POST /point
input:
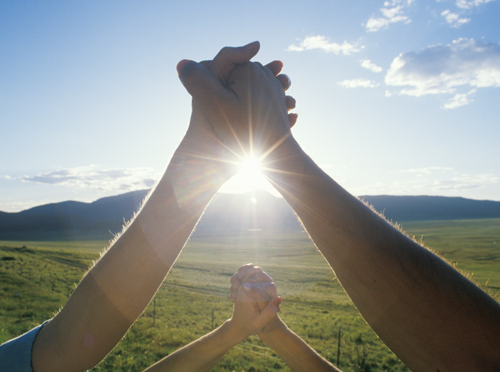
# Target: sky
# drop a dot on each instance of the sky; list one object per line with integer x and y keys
{"x": 397, "y": 97}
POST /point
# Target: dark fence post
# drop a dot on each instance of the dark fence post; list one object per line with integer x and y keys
{"x": 154, "y": 311}
{"x": 338, "y": 350}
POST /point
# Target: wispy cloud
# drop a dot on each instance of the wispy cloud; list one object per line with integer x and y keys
{"x": 392, "y": 12}
{"x": 460, "y": 99}
{"x": 322, "y": 43}
{"x": 90, "y": 177}
{"x": 443, "y": 68}
{"x": 464, "y": 182}
{"x": 366, "y": 63}
{"x": 468, "y": 4}
{"x": 432, "y": 181}
{"x": 453, "y": 19}
{"x": 358, "y": 83}
{"x": 426, "y": 170}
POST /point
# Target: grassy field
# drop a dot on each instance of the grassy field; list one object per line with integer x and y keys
{"x": 38, "y": 277}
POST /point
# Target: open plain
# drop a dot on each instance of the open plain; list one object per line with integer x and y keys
{"x": 37, "y": 277}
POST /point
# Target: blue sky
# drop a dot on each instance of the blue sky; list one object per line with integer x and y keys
{"x": 394, "y": 97}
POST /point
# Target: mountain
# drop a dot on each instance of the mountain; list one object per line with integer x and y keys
{"x": 103, "y": 215}
{"x": 422, "y": 208}
{"x": 257, "y": 210}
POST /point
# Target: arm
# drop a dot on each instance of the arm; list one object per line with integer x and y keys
{"x": 122, "y": 283}
{"x": 119, "y": 287}
{"x": 296, "y": 353}
{"x": 431, "y": 316}
{"x": 204, "y": 353}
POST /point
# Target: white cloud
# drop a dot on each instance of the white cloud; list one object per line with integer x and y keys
{"x": 454, "y": 19}
{"x": 321, "y": 42}
{"x": 464, "y": 182}
{"x": 432, "y": 181}
{"x": 89, "y": 177}
{"x": 426, "y": 170}
{"x": 357, "y": 83}
{"x": 366, "y": 63}
{"x": 393, "y": 12}
{"x": 468, "y": 4}
{"x": 460, "y": 99}
{"x": 443, "y": 68}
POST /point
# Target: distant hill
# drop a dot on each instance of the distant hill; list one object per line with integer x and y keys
{"x": 100, "y": 217}
{"x": 256, "y": 210}
{"x": 422, "y": 208}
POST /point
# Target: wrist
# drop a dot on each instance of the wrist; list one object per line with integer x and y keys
{"x": 236, "y": 334}
{"x": 273, "y": 330}
{"x": 287, "y": 158}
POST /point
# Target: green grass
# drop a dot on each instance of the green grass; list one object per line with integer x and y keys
{"x": 37, "y": 280}
{"x": 472, "y": 245}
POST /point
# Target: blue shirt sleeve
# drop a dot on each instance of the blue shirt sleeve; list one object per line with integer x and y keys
{"x": 15, "y": 355}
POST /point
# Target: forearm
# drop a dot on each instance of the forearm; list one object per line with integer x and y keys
{"x": 297, "y": 354}
{"x": 202, "y": 354}
{"x": 122, "y": 283}
{"x": 423, "y": 309}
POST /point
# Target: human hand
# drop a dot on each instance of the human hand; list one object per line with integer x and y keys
{"x": 256, "y": 277}
{"x": 236, "y": 103}
{"x": 248, "y": 318}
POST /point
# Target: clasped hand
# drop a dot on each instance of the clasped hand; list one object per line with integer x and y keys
{"x": 256, "y": 302}
{"x": 240, "y": 110}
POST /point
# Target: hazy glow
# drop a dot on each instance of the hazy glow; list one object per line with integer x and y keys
{"x": 250, "y": 167}
{"x": 249, "y": 178}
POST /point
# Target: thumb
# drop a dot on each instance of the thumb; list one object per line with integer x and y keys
{"x": 205, "y": 89}
{"x": 269, "y": 311}
{"x": 226, "y": 60}
{"x": 257, "y": 294}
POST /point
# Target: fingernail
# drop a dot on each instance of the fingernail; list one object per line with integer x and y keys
{"x": 182, "y": 65}
{"x": 247, "y": 287}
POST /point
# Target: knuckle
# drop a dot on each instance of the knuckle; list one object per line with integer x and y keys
{"x": 225, "y": 51}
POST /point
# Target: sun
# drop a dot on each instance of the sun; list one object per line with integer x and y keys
{"x": 250, "y": 177}
{"x": 250, "y": 167}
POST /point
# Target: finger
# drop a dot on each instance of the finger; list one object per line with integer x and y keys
{"x": 245, "y": 267}
{"x": 290, "y": 102}
{"x": 245, "y": 273}
{"x": 242, "y": 271}
{"x": 292, "y": 119}
{"x": 209, "y": 93}
{"x": 269, "y": 288}
{"x": 285, "y": 81}
{"x": 235, "y": 284}
{"x": 257, "y": 294}
{"x": 269, "y": 312}
{"x": 235, "y": 280}
{"x": 275, "y": 67}
{"x": 205, "y": 63}
{"x": 260, "y": 277}
{"x": 225, "y": 61}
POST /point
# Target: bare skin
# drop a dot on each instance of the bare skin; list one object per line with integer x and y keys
{"x": 206, "y": 352}
{"x": 296, "y": 353}
{"x": 431, "y": 316}
{"x": 120, "y": 286}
